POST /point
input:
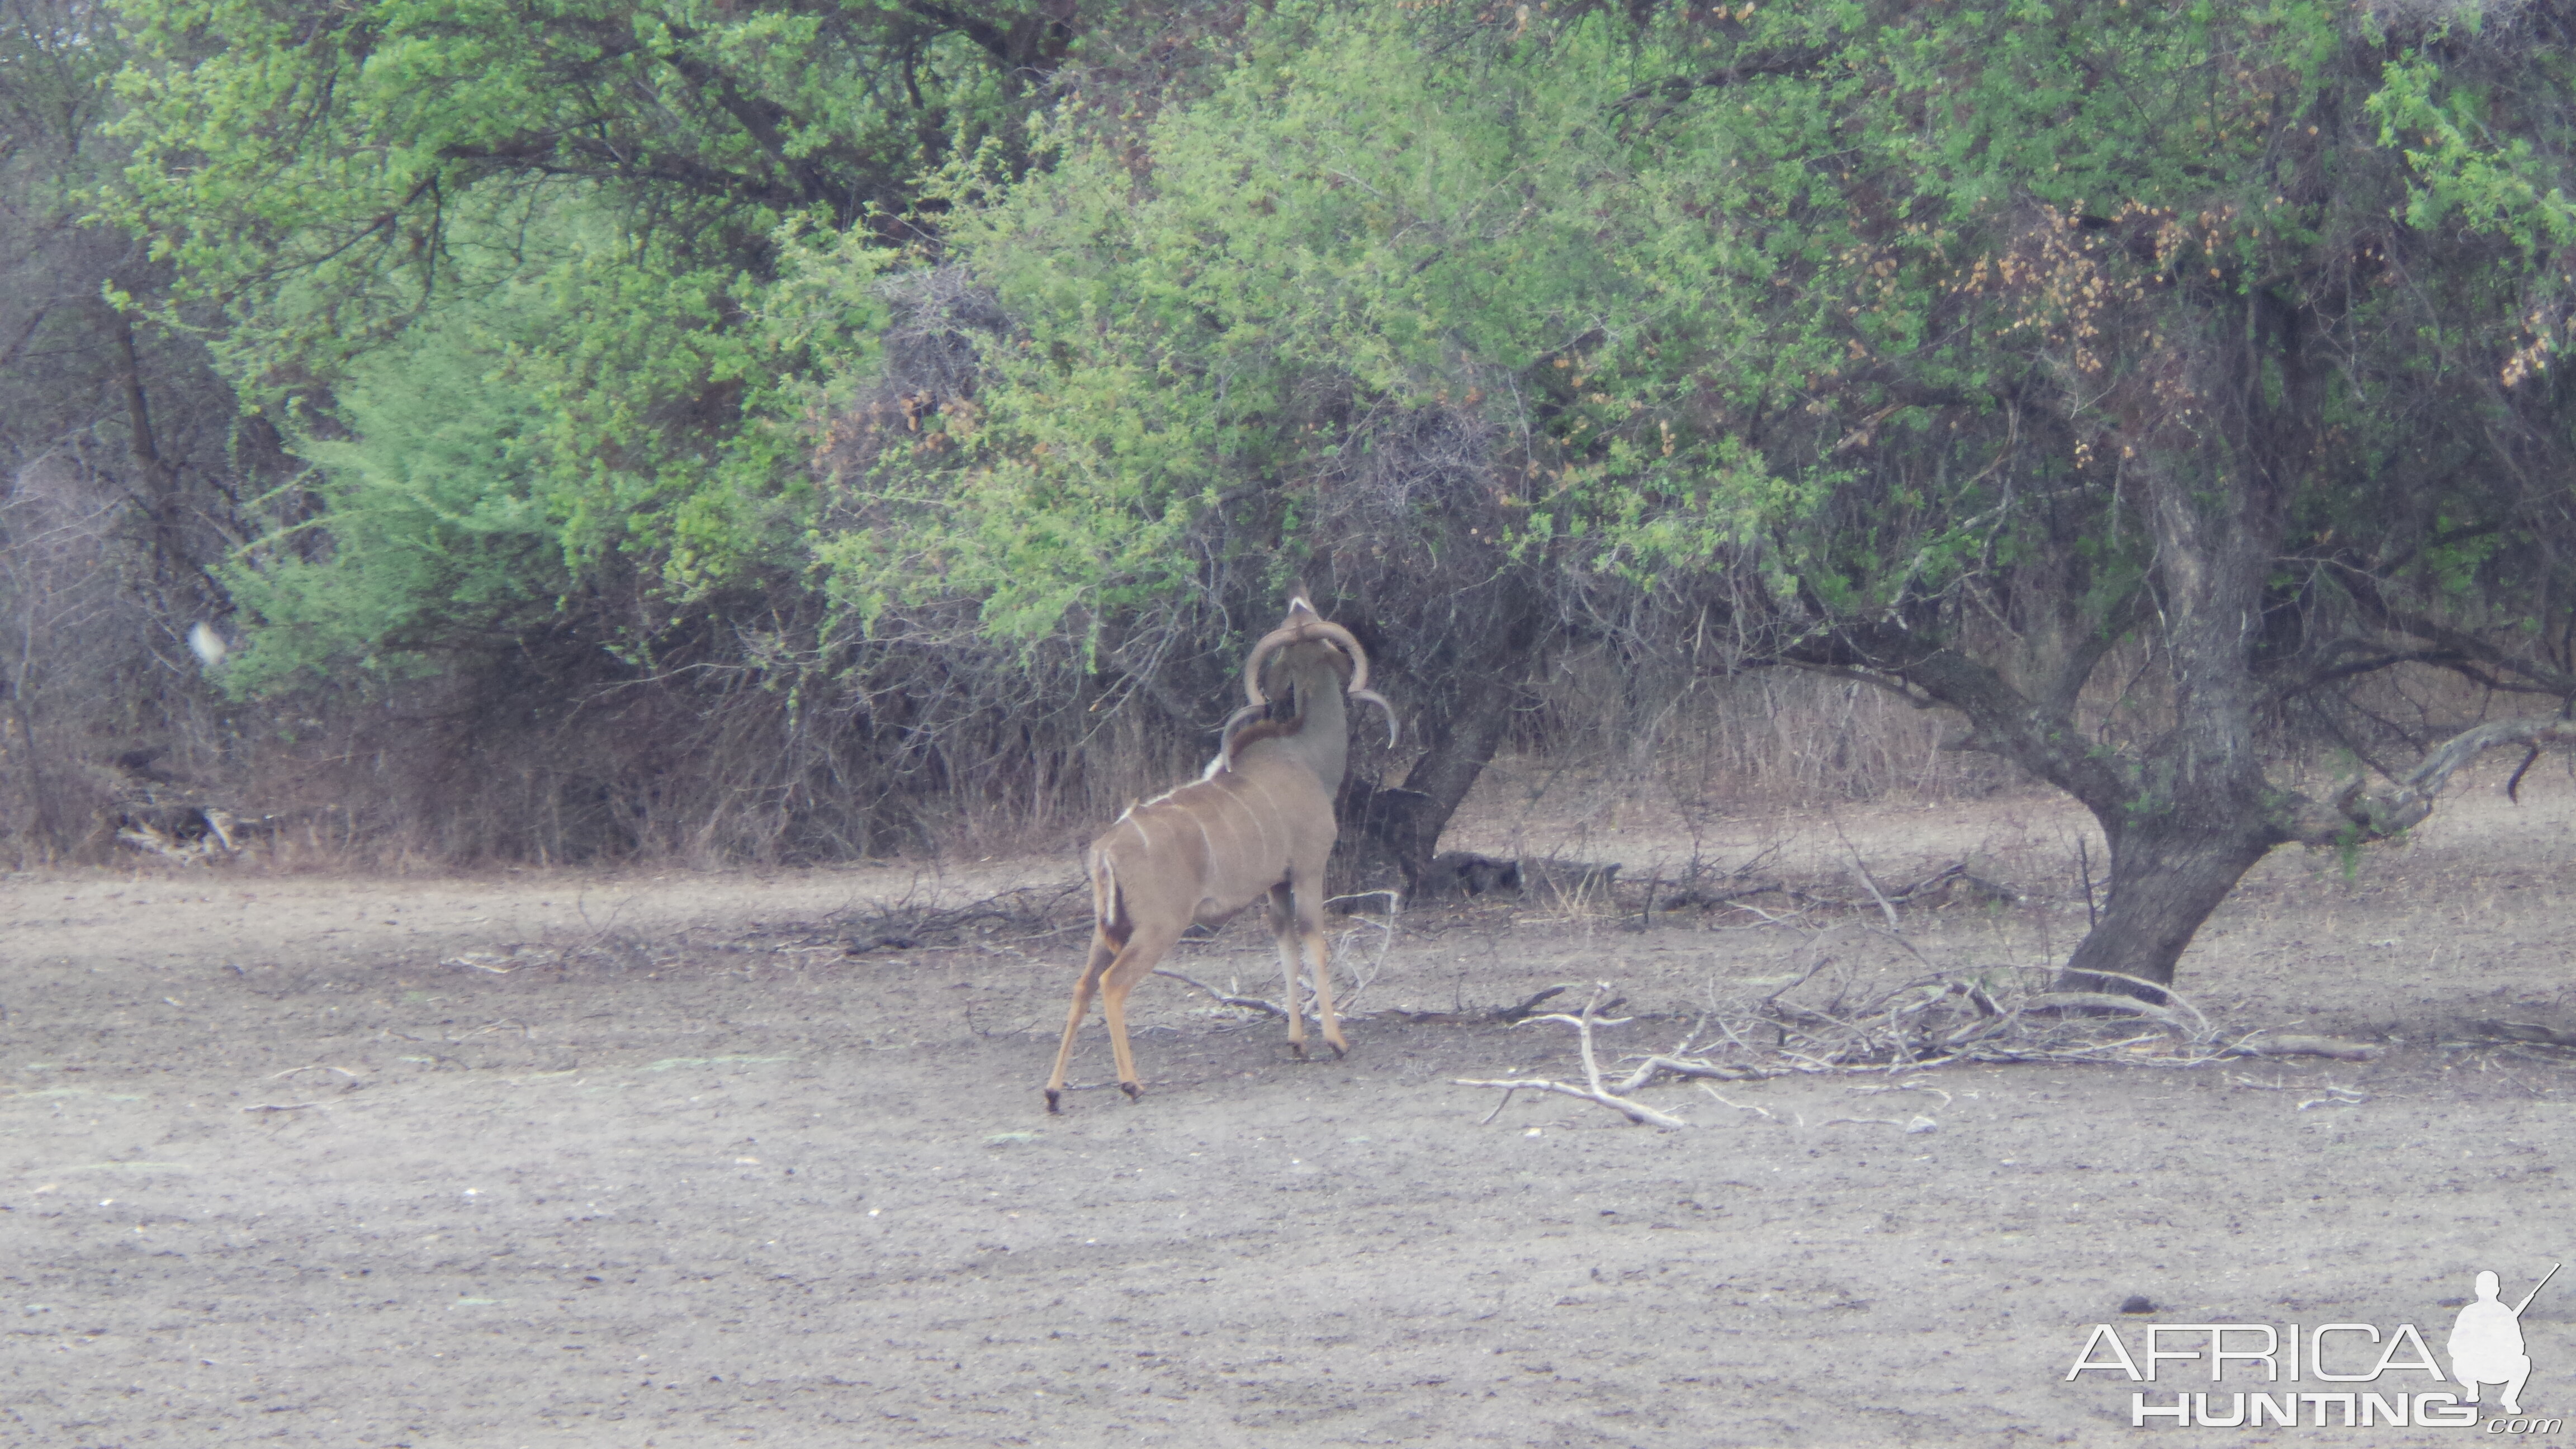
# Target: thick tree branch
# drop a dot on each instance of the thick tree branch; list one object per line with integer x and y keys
{"x": 2001, "y": 719}
{"x": 2353, "y": 813}
{"x": 2442, "y": 658}
{"x": 2363, "y": 588}
{"x": 1894, "y": 686}
{"x": 2123, "y": 618}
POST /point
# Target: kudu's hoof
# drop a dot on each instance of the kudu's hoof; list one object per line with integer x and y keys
{"x": 1134, "y": 1092}
{"x": 1052, "y": 1108}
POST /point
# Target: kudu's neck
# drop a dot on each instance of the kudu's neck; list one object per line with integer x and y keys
{"x": 1323, "y": 737}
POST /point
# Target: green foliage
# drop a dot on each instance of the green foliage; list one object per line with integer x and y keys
{"x": 333, "y": 173}
{"x": 503, "y": 269}
{"x": 523, "y": 457}
{"x": 1868, "y": 313}
{"x": 439, "y": 529}
{"x": 2461, "y": 167}
{"x": 53, "y": 58}
{"x": 1339, "y": 240}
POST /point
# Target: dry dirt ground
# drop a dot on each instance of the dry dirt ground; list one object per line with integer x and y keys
{"x": 566, "y": 1159}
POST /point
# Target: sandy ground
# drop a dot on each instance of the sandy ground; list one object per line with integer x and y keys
{"x": 565, "y": 1159}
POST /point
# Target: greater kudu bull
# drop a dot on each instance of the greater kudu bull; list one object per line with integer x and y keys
{"x": 1258, "y": 823}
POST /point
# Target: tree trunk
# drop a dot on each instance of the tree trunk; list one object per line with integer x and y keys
{"x": 160, "y": 499}
{"x": 1404, "y": 822}
{"x": 2213, "y": 474}
{"x": 46, "y": 829}
{"x": 2166, "y": 878}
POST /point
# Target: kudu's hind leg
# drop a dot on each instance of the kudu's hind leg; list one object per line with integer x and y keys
{"x": 1143, "y": 951}
{"x": 1299, "y": 930}
{"x": 1283, "y": 929}
{"x": 1103, "y": 951}
{"x": 1310, "y": 936}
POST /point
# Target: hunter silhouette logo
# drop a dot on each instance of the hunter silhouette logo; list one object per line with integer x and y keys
{"x": 2362, "y": 1376}
{"x": 2486, "y": 1342}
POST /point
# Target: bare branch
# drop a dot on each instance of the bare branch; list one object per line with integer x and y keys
{"x": 1246, "y": 1003}
{"x": 1593, "y": 1091}
{"x": 1636, "y": 1112}
{"x": 2379, "y": 816}
{"x": 2260, "y": 1045}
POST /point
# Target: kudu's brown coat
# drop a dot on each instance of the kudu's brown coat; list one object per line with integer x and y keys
{"x": 1258, "y": 824}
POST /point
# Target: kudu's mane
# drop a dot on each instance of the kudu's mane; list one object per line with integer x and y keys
{"x": 1269, "y": 729}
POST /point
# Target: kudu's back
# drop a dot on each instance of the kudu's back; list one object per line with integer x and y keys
{"x": 1214, "y": 846}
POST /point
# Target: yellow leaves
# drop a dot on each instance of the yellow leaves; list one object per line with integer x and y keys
{"x": 2532, "y": 358}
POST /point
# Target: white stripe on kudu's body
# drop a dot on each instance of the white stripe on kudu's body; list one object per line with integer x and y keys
{"x": 1148, "y": 886}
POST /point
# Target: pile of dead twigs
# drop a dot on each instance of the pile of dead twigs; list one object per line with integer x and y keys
{"x": 1821, "y": 1020}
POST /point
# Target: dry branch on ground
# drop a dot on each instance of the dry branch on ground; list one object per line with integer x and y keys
{"x": 2528, "y": 1033}
{"x": 1512, "y": 1015}
{"x": 1362, "y": 974}
{"x": 1594, "y": 1090}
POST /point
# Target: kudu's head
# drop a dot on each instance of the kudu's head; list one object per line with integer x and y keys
{"x": 1320, "y": 665}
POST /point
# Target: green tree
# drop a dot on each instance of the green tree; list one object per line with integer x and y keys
{"x": 1946, "y": 350}
{"x": 579, "y": 201}
{"x": 502, "y": 279}
{"x": 2258, "y": 396}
